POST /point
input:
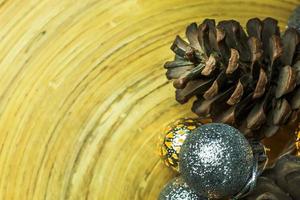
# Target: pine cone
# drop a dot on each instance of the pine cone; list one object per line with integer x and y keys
{"x": 249, "y": 81}
{"x": 280, "y": 182}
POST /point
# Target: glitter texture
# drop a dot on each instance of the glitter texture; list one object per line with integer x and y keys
{"x": 177, "y": 189}
{"x": 216, "y": 160}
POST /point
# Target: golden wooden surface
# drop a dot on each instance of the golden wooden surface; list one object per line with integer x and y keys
{"x": 83, "y": 96}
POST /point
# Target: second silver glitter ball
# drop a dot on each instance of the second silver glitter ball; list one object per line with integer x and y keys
{"x": 177, "y": 189}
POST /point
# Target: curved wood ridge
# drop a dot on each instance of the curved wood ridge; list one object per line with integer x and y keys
{"x": 83, "y": 95}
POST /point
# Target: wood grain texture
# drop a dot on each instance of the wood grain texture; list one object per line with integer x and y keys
{"x": 83, "y": 96}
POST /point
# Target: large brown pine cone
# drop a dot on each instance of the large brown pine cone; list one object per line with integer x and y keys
{"x": 281, "y": 182}
{"x": 250, "y": 81}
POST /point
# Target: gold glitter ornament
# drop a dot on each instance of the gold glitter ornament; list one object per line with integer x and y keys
{"x": 173, "y": 138}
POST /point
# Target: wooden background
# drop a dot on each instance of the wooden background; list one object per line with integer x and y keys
{"x": 83, "y": 96}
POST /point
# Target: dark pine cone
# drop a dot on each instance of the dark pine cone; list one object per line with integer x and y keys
{"x": 250, "y": 81}
{"x": 280, "y": 182}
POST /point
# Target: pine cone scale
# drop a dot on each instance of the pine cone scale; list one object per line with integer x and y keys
{"x": 282, "y": 111}
{"x": 237, "y": 94}
{"x": 192, "y": 36}
{"x": 192, "y": 88}
{"x": 286, "y": 81}
{"x": 295, "y": 100}
{"x": 257, "y": 116}
{"x": 276, "y": 49}
{"x": 269, "y": 29}
{"x": 255, "y": 48}
{"x": 254, "y": 28}
{"x": 290, "y": 40}
{"x": 260, "y": 87}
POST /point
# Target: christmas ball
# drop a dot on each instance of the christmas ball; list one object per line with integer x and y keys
{"x": 177, "y": 189}
{"x": 216, "y": 160}
{"x": 173, "y": 138}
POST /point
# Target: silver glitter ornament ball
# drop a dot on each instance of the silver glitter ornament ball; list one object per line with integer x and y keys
{"x": 177, "y": 189}
{"x": 216, "y": 160}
